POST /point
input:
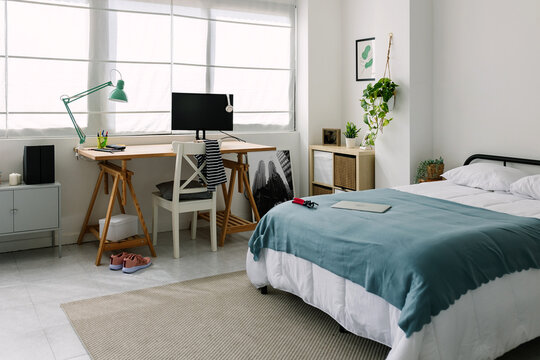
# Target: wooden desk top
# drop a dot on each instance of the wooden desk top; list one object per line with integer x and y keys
{"x": 165, "y": 150}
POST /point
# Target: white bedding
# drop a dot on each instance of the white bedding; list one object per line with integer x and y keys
{"x": 483, "y": 324}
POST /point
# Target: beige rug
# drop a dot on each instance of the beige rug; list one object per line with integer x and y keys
{"x": 220, "y": 317}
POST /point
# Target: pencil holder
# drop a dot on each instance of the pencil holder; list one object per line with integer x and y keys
{"x": 101, "y": 142}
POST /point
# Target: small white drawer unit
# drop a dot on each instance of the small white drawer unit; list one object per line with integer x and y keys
{"x": 30, "y": 208}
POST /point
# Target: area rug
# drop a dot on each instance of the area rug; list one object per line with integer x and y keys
{"x": 220, "y": 317}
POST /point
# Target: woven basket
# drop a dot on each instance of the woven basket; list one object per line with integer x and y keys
{"x": 434, "y": 171}
{"x": 321, "y": 190}
{"x": 345, "y": 171}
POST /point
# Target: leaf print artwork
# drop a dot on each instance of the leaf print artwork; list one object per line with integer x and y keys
{"x": 364, "y": 59}
{"x": 365, "y": 53}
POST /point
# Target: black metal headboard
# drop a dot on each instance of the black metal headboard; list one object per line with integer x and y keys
{"x": 504, "y": 159}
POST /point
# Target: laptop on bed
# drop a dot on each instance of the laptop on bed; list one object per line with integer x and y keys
{"x": 361, "y": 206}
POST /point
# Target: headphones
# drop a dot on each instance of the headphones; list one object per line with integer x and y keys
{"x": 229, "y": 108}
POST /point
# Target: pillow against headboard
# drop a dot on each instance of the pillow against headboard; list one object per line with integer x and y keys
{"x": 486, "y": 176}
{"x": 527, "y": 186}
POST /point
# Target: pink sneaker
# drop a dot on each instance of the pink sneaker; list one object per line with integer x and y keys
{"x": 117, "y": 260}
{"x": 135, "y": 262}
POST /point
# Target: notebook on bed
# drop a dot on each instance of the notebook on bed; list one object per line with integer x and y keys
{"x": 361, "y": 206}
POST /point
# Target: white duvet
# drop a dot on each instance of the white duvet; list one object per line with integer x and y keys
{"x": 483, "y": 324}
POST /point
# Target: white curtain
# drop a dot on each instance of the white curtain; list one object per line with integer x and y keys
{"x": 56, "y": 47}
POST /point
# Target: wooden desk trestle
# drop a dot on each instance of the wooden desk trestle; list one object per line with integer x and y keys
{"x": 228, "y": 222}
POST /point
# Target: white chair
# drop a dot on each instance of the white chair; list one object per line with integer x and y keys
{"x": 187, "y": 196}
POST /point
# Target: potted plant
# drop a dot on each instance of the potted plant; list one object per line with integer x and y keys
{"x": 350, "y": 133}
{"x": 374, "y": 101}
{"x": 430, "y": 170}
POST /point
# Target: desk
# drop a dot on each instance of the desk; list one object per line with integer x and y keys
{"x": 228, "y": 222}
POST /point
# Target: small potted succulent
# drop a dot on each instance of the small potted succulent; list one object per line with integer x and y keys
{"x": 430, "y": 170}
{"x": 351, "y": 133}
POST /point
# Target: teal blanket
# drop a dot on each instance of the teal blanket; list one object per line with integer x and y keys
{"x": 420, "y": 256}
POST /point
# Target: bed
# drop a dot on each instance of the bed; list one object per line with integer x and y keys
{"x": 482, "y": 323}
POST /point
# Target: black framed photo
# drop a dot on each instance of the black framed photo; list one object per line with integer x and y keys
{"x": 270, "y": 176}
{"x": 331, "y": 137}
{"x": 365, "y": 59}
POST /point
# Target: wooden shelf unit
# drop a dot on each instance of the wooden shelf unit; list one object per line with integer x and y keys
{"x": 337, "y": 168}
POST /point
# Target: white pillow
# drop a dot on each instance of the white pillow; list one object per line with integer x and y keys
{"x": 527, "y": 186}
{"x": 485, "y": 176}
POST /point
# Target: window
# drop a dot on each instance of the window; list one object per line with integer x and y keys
{"x": 50, "y": 48}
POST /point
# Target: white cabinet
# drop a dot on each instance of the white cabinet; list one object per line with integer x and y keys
{"x": 30, "y": 208}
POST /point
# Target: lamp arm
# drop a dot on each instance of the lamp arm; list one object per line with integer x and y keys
{"x": 80, "y": 133}
{"x": 70, "y": 99}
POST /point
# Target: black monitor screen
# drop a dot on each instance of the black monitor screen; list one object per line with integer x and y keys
{"x": 201, "y": 112}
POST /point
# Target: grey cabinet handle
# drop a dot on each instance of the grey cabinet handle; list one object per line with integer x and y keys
{"x": 14, "y": 211}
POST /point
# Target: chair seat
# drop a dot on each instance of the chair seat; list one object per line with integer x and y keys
{"x": 166, "y": 191}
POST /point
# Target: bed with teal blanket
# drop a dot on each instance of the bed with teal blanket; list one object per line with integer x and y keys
{"x": 420, "y": 256}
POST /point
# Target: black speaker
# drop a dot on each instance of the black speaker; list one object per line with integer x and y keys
{"x": 38, "y": 164}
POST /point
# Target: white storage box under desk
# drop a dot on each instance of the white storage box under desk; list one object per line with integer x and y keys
{"x": 121, "y": 227}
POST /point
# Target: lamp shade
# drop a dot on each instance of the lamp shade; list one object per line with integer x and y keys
{"x": 118, "y": 93}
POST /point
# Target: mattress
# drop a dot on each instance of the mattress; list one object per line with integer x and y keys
{"x": 482, "y": 324}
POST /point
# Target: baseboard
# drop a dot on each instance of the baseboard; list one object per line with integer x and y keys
{"x": 19, "y": 242}
{"x": 25, "y": 242}
{"x": 38, "y": 240}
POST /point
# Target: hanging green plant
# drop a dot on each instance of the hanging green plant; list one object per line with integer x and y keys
{"x": 375, "y": 102}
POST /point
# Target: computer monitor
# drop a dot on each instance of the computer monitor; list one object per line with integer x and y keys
{"x": 191, "y": 111}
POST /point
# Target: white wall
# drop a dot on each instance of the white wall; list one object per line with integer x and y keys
{"x": 361, "y": 19}
{"x": 468, "y": 74}
{"x": 421, "y": 83}
{"x": 319, "y": 88}
{"x": 486, "y": 78}
{"x": 78, "y": 178}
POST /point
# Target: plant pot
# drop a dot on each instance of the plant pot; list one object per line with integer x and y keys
{"x": 434, "y": 171}
{"x": 391, "y": 102}
{"x": 350, "y": 142}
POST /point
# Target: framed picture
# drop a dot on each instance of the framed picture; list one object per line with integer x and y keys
{"x": 270, "y": 178}
{"x": 331, "y": 137}
{"x": 365, "y": 59}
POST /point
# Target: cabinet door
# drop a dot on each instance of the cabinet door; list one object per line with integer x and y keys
{"x": 6, "y": 215}
{"x": 36, "y": 209}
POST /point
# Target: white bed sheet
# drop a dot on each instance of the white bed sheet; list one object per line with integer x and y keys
{"x": 483, "y": 324}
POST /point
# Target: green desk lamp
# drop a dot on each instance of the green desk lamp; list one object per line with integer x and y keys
{"x": 117, "y": 94}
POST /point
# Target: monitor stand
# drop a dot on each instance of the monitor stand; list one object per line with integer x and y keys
{"x": 203, "y": 135}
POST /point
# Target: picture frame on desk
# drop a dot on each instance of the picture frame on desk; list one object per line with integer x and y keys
{"x": 331, "y": 137}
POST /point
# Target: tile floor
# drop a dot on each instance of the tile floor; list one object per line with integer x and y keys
{"x": 33, "y": 284}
